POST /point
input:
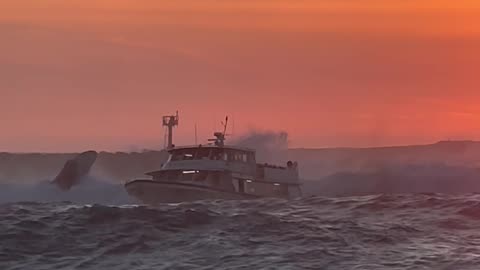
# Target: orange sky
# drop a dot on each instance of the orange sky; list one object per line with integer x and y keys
{"x": 99, "y": 74}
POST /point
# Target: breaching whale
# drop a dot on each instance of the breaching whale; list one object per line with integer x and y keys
{"x": 74, "y": 170}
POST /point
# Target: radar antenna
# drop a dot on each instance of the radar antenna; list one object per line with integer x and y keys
{"x": 220, "y": 136}
{"x": 170, "y": 121}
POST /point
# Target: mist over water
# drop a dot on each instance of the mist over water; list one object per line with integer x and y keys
{"x": 89, "y": 191}
{"x": 27, "y": 177}
{"x": 446, "y": 167}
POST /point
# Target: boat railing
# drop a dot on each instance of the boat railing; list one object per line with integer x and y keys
{"x": 290, "y": 165}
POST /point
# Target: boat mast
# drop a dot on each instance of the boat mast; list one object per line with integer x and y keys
{"x": 170, "y": 121}
{"x": 225, "y": 126}
{"x": 196, "y": 134}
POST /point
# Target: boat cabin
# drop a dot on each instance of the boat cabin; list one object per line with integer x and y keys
{"x": 229, "y": 169}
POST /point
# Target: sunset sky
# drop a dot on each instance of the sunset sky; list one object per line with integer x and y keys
{"x": 83, "y": 74}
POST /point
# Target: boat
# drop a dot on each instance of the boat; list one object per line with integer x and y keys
{"x": 215, "y": 171}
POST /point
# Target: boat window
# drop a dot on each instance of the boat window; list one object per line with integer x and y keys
{"x": 217, "y": 154}
{"x": 177, "y": 155}
{"x": 231, "y": 155}
{"x": 192, "y": 175}
{"x": 202, "y": 153}
{"x": 183, "y": 154}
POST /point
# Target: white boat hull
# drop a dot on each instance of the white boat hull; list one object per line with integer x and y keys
{"x": 155, "y": 192}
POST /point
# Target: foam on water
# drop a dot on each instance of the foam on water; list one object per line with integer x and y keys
{"x": 89, "y": 191}
{"x": 422, "y": 231}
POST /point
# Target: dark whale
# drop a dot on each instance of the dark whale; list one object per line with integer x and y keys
{"x": 75, "y": 169}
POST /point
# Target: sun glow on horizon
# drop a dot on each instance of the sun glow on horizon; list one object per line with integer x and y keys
{"x": 330, "y": 73}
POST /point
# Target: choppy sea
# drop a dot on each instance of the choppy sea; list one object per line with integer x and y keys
{"x": 404, "y": 231}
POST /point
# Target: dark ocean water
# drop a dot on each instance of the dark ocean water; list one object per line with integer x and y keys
{"x": 418, "y": 231}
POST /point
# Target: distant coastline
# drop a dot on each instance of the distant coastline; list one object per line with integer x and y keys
{"x": 443, "y": 165}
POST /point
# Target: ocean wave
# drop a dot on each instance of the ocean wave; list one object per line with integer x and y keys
{"x": 416, "y": 231}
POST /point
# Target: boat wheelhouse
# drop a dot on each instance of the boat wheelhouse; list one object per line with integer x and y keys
{"x": 215, "y": 171}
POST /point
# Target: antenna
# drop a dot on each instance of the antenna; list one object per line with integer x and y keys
{"x": 196, "y": 134}
{"x": 233, "y": 125}
{"x": 220, "y": 136}
{"x": 170, "y": 121}
{"x": 225, "y": 125}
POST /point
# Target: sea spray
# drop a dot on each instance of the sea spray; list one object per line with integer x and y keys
{"x": 88, "y": 191}
{"x": 270, "y": 146}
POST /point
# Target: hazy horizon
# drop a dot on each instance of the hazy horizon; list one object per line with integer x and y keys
{"x": 159, "y": 145}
